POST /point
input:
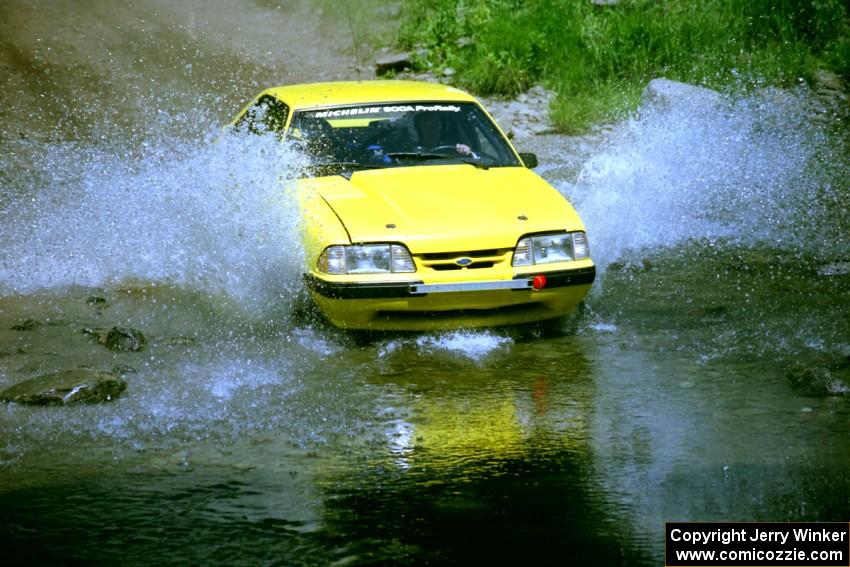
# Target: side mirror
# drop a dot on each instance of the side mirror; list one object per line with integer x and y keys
{"x": 529, "y": 160}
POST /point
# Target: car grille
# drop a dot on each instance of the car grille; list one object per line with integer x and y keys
{"x": 473, "y": 266}
{"x": 469, "y": 259}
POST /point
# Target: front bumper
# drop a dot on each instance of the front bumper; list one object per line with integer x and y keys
{"x": 416, "y": 305}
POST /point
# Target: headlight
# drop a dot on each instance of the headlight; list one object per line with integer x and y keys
{"x": 581, "y": 248}
{"x": 366, "y": 259}
{"x": 550, "y": 248}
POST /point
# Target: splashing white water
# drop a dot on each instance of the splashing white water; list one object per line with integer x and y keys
{"x": 474, "y": 345}
{"x": 746, "y": 170}
{"x": 218, "y": 216}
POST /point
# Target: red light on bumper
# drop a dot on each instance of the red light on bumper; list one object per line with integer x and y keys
{"x": 538, "y": 282}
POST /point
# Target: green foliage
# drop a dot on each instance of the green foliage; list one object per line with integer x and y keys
{"x": 599, "y": 57}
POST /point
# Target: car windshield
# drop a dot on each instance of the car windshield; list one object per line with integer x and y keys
{"x": 370, "y": 136}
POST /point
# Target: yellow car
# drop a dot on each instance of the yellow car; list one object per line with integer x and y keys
{"x": 419, "y": 214}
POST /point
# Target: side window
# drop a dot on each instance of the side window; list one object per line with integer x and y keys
{"x": 267, "y": 115}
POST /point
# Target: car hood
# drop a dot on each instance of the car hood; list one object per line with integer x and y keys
{"x": 445, "y": 208}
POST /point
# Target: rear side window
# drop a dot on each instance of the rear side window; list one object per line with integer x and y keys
{"x": 268, "y": 115}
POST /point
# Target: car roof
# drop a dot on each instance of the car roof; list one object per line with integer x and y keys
{"x": 315, "y": 95}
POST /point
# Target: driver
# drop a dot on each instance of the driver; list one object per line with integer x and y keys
{"x": 433, "y": 132}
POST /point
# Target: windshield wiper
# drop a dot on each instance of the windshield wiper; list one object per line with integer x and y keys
{"x": 429, "y": 156}
{"x": 475, "y": 162}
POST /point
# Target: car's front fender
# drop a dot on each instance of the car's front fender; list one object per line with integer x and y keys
{"x": 321, "y": 226}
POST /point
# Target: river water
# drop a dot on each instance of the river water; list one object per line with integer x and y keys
{"x": 252, "y": 433}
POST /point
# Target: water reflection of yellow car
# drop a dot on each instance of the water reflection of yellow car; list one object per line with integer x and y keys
{"x": 419, "y": 212}
{"x": 477, "y": 428}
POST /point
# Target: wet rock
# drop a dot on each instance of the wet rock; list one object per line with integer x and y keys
{"x": 836, "y": 269}
{"x": 118, "y": 338}
{"x": 96, "y": 333}
{"x": 831, "y": 90}
{"x": 69, "y": 387}
{"x": 122, "y": 369}
{"x": 713, "y": 313}
{"x": 828, "y": 81}
{"x": 26, "y": 325}
{"x": 32, "y": 324}
{"x": 663, "y": 94}
{"x": 124, "y": 339}
{"x": 831, "y": 379}
{"x": 392, "y": 62}
{"x": 95, "y": 300}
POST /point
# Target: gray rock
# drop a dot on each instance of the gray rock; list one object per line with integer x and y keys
{"x": 69, "y": 387}
{"x": 392, "y": 62}
{"x": 664, "y": 94}
{"x": 449, "y": 72}
{"x": 525, "y": 116}
{"x": 464, "y": 41}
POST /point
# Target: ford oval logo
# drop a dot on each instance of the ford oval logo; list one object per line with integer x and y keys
{"x": 463, "y": 261}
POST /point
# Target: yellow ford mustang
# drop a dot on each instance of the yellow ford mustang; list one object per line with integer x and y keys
{"x": 419, "y": 214}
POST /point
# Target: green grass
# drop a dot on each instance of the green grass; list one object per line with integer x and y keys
{"x": 599, "y": 58}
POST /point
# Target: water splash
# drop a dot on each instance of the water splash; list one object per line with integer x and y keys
{"x": 474, "y": 345}
{"x": 217, "y": 216}
{"x": 751, "y": 170}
